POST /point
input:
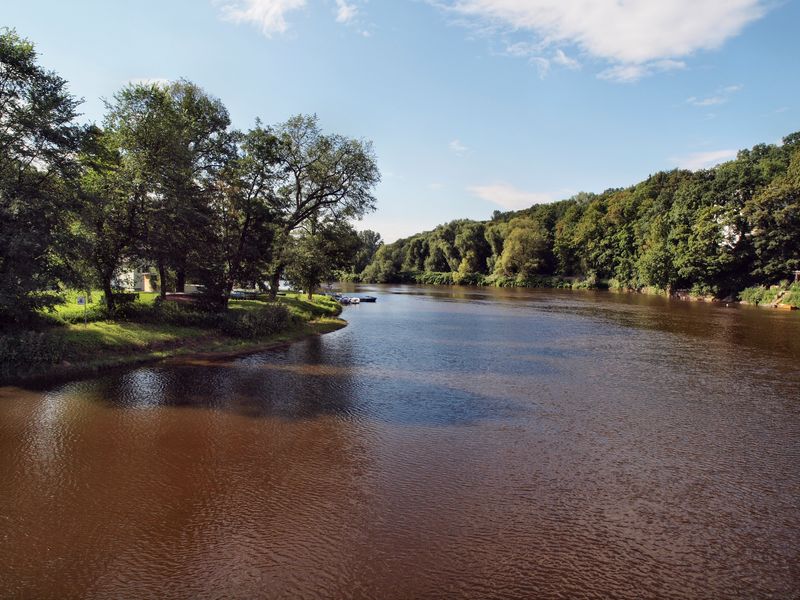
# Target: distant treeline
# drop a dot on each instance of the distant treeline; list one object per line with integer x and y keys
{"x": 713, "y": 231}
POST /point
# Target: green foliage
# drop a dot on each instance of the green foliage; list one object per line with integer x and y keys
{"x": 713, "y": 231}
{"x": 317, "y": 253}
{"x": 435, "y": 278}
{"x": 37, "y": 144}
{"x": 759, "y": 294}
{"x": 792, "y": 297}
{"x": 29, "y": 349}
{"x": 253, "y": 324}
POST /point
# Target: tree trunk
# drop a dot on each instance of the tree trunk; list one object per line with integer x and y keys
{"x": 108, "y": 292}
{"x": 180, "y": 283}
{"x": 274, "y": 284}
{"x": 162, "y": 279}
{"x": 310, "y": 292}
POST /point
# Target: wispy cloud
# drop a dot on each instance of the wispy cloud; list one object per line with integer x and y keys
{"x": 540, "y": 58}
{"x": 561, "y": 59}
{"x": 508, "y": 196}
{"x": 635, "y": 38}
{"x": 345, "y": 12}
{"x": 720, "y": 96}
{"x": 628, "y": 73}
{"x": 270, "y": 16}
{"x": 703, "y": 160}
{"x": 457, "y": 147}
{"x": 435, "y": 186}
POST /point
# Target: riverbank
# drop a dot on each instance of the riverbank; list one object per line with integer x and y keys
{"x": 783, "y": 296}
{"x": 148, "y": 335}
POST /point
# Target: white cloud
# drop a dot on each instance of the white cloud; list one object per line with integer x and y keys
{"x": 345, "y": 12}
{"x": 268, "y": 15}
{"x": 509, "y": 197}
{"x": 704, "y": 160}
{"x": 457, "y": 147}
{"x": 565, "y": 61}
{"x": 635, "y": 36}
{"x": 435, "y": 186}
{"x": 631, "y": 72}
{"x": 721, "y": 96}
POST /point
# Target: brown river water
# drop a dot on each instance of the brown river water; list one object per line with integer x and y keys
{"x": 448, "y": 443}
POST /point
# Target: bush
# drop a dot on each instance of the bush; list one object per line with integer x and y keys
{"x": 793, "y": 296}
{"x": 169, "y": 313}
{"x": 434, "y": 278}
{"x": 469, "y": 278}
{"x": 758, "y": 294}
{"x": 28, "y": 349}
{"x": 122, "y": 298}
{"x": 254, "y": 324}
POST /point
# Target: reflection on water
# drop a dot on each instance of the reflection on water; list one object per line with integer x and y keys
{"x": 450, "y": 442}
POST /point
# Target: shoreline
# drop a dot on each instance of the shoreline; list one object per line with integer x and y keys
{"x": 550, "y": 283}
{"x": 214, "y": 347}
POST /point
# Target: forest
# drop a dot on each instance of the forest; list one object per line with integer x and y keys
{"x": 165, "y": 184}
{"x": 712, "y": 232}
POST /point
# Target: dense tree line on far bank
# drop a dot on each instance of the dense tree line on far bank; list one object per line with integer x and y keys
{"x": 714, "y": 232}
{"x": 166, "y": 182}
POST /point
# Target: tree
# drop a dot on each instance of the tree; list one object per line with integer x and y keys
{"x": 471, "y": 244}
{"x": 108, "y": 224}
{"x": 175, "y": 139}
{"x": 243, "y": 232}
{"x": 38, "y": 140}
{"x": 317, "y": 251}
{"x": 774, "y": 216}
{"x": 369, "y": 242}
{"x": 524, "y": 251}
{"x": 323, "y": 177}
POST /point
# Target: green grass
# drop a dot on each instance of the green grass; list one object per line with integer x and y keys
{"x": 73, "y": 312}
{"x": 64, "y": 348}
{"x": 85, "y": 340}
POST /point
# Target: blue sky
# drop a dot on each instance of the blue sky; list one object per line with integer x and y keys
{"x": 472, "y": 105}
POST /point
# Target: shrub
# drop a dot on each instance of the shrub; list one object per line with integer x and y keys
{"x": 253, "y": 324}
{"x": 758, "y": 294}
{"x": 469, "y": 278}
{"x": 793, "y": 296}
{"x": 587, "y": 283}
{"x": 28, "y": 349}
{"x": 122, "y": 298}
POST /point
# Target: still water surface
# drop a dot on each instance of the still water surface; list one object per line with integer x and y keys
{"x": 447, "y": 443}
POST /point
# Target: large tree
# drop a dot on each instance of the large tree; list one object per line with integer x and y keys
{"x": 243, "y": 231}
{"x": 176, "y": 138}
{"x": 38, "y": 139}
{"x": 322, "y": 177}
{"x": 108, "y": 222}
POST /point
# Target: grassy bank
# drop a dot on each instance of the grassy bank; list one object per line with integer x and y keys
{"x": 783, "y": 294}
{"x": 144, "y": 331}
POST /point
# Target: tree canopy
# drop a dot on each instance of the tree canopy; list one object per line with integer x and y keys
{"x": 715, "y": 231}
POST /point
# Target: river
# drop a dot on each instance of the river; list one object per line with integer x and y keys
{"x": 450, "y": 442}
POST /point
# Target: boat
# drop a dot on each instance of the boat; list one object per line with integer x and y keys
{"x": 368, "y": 299}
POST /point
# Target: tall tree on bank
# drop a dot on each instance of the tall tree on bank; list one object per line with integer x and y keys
{"x": 322, "y": 177}
{"x": 37, "y": 143}
{"x": 108, "y": 222}
{"x": 176, "y": 139}
{"x": 243, "y": 231}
